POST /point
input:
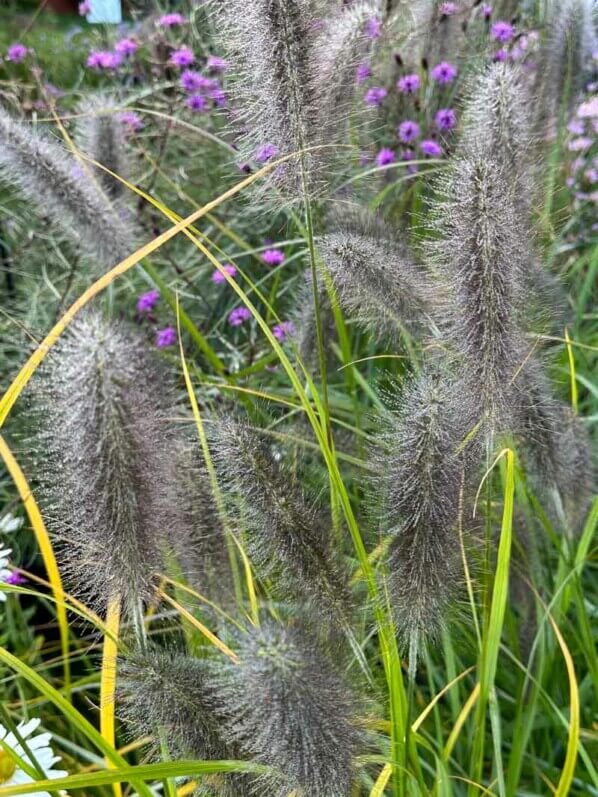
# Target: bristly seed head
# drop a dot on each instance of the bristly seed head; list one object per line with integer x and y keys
{"x": 61, "y": 187}
{"x": 287, "y": 538}
{"x": 102, "y": 137}
{"x": 286, "y": 706}
{"x": 423, "y": 462}
{"x": 105, "y": 459}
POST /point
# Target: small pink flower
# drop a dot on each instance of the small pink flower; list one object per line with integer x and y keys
{"x": 502, "y": 31}
{"x": 218, "y": 277}
{"x": 131, "y": 121}
{"x": 147, "y": 301}
{"x": 375, "y": 95}
{"x": 385, "y": 157}
{"x": 283, "y": 330}
{"x": 273, "y": 257}
{"x": 182, "y": 57}
{"x": 216, "y": 64}
{"x": 447, "y": 9}
{"x": 168, "y": 20}
{"x": 16, "y": 53}
{"x": 373, "y": 28}
{"x": 165, "y": 337}
{"x": 409, "y": 84}
{"x": 266, "y": 152}
{"x": 238, "y": 316}
{"x": 84, "y": 8}
{"x": 362, "y": 73}
{"x": 126, "y": 47}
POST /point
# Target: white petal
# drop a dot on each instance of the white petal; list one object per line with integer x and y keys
{"x": 43, "y": 740}
{"x": 27, "y": 728}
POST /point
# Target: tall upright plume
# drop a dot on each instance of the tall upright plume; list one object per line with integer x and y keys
{"x": 295, "y": 78}
{"x": 104, "y": 456}
{"x": 101, "y": 136}
{"x": 483, "y": 249}
{"x": 422, "y": 463}
{"x": 61, "y": 187}
{"x": 286, "y": 706}
{"x": 288, "y": 539}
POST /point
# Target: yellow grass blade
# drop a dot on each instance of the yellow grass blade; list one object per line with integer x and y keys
{"x": 571, "y": 370}
{"x": 464, "y": 713}
{"x": 108, "y": 681}
{"x": 46, "y": 550}
{"x": 574, "y": 720}
{"x": 381, "y": 781}
{"x": 420, "y": 719}
{"x": 218, "y": 643}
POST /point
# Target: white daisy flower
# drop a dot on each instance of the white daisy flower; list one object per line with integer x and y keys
{"x": 4, "y": 576}
{"x": 11, "y": 773}
{"x": 10, "y": 523}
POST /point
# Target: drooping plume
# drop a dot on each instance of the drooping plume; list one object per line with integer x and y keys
{"x": 557, "y": 449}
{"x": 294, "y": 83}
{"x": 482, "y": 251}
{"x": 566, "y": 60}
{"x": 288, "y": 539}
{"x": 423, "y": 460}
{"x": 101, "y": 136}
{"x": 61, "y": 187}
{"x": 105, "y": 458}
{"x": 374, "y": 274}
{"x": 286, "y": 706}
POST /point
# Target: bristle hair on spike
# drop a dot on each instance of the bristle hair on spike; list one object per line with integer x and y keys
{"x": 286, "y": 706}
{"x": 100, "y": 135}
{"x": 60, "y": 186}
{"x": 104, "y": 455}
{"x": 288, "y": 538}
{"x": 374, "y": 273}
{"x": 422, "y": 470}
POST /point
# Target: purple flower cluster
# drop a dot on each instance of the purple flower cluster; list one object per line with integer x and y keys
{"x": 165, "y": 337}
{"x": 447, "y": 9}
{"x": 203, "y": 89}
{"x": 169, "y": 20}
{"x": 385, "y": 157}
{"x": 131, "y": 121}
{"x": 182, "y": 57}
{"x": 273, "y": 257}
{"x": 446, "y": 119}
{"x": 238, "y": 316}
{"x": 502, "y": 31}
{"x": 218, "y": 277}
{"x": 147, "y": 301}
{"x": 444, "y": 73}
{"x": 409, "y": 84}
{"x": 285, "y": 329}
{"x": 266, "y": 152}
{"x": 16, "y": 53}
{"x": 375, "y": 96}
{"x": 104, "y": 59}
{"x": 362, "y": 73}
{"x": 408, "y": 131}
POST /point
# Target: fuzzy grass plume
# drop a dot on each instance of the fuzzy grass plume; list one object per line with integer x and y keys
{"x": 288, "y": 539}
{"x": 105, "y": 454}
{"x": 61, "y": 188}
{"x": 286, "y": 706}
{"x": 483, "y": 250}
{"x": 374, "y": 274}
{"x": 100, "y": 135}
{"x": 423, "y": 462}
{"x": 294, "y": 82}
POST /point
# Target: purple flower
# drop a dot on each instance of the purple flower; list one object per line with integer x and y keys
{"x": 216, "y": 94}
{"x": 266, "y": 152}
{"x": 273, "y": 257}
{"x": 197, "y": 103}
{"x": 16, "y": 53}
{"x": 168, "y": 20}
{"x": 431, "y": 148}
{"x": 579, "y": 144}
{"x": 444, "y": 73}
{"x": 362, "y": 73}
{"x": 409, "y": 84}
{"x": 103, "y": 59}
{"x": 502, "y": 31}
{"x": 409, "y": 155}
{"x": 238, "y": 316}
{"x": 373, "y": 28}
{"x": 487, "y": 10}
{"x": 165, "y": 337}
{"x": 193, "y": 81}
{"x": 375, "y": 96}
{"x": 131, "y": 120}
{"x": 84, "y": 8}
{"x": 216, "y": 63}
{"x": 218, "y": 277}
{"x": 501, "y": 55}
{"x": 385, "y": 156}
{"x": 446, "y": 119}
{"x": 446, "y": 9}
{"x": 283, "y": 330}
{"x": 147, "y": 301}
{"x": 182, "y": 57}
{"x": 126, "y": 47}
{"x": 14, "y": 579}
{"x": 408, "y": 131}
